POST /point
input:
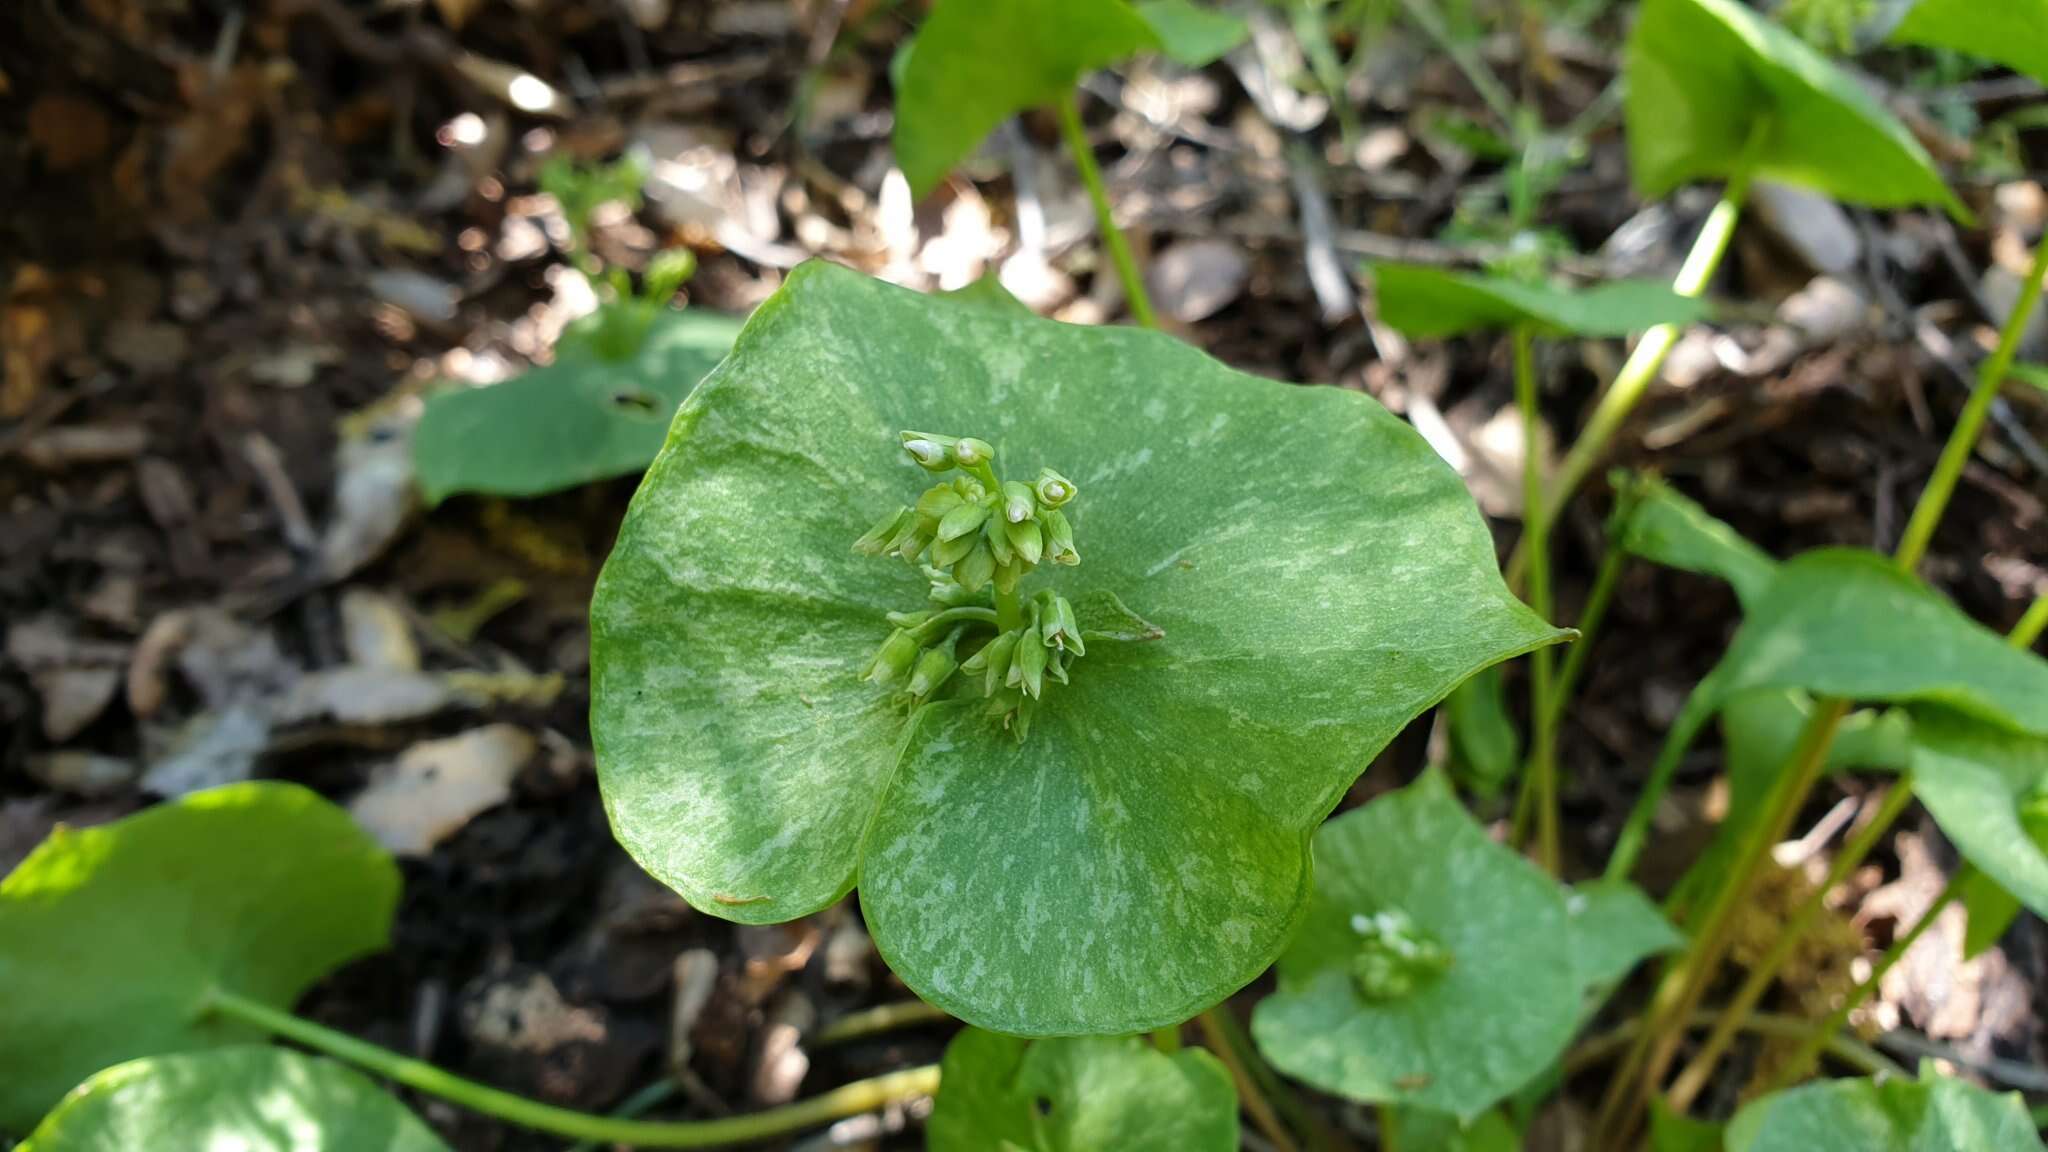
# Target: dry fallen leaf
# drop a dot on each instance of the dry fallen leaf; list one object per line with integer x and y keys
{"x": 436, "y": 786}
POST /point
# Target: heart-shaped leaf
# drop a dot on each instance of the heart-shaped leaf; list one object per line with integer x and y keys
{"x": 1309, "y": 576}
{"x": 253, "y": 1098}
{"x": 1614, "y": 927}
{"x": 1667, "y": 528}
{"x": 1932, "y": 1114}
{"x": 581, "y": 419}
{"x": 1988, "y": 789}
{"x": 1082, "y": 1094}
{"x": 2012, "y": 32}
{"x": 1434, "y": 968}
{"x": 111, "y": 938}
{"x": 1425, "y": 302}
{"x": 1704, "y": 74}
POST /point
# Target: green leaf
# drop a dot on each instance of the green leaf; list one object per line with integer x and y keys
{"x": 1316, "y": 575}
{"x": 577, "y": 420}
{"x": 1423, "y": 1131}
{"x": 979, "y": 62}
{"x": 249, "y": 1099}
{"x": 1191, "y": 34}
{"x": 112, "y": 937}
{"x": 1703, "y": 74}
{"x": 2012, "y": 32}
{"x": 1502, "y": 1010}
{"x": 2035, "y": 374}
{"x": 1673, "y": 1132}
{"x": 1667, "y": 528}
{"x": 1931, "y": 1114}
{"x": 1425, "y": 301}
{"x": 1988, "y": 789}
{"x": 1486, "y": 748}
{"x": 1085, "y": 1094}
{"x": 1614, "y": 927}
{"x": 1988, "y": 908}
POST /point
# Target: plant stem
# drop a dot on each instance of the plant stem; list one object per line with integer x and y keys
{"x": 1643, "y": 364}
{"x": 1390, "y": 1128}
{"x": 849, "y": 1100}
{"x": 1009, "y": 611}
{"x": 1216, "y": 1036}
{"x": 1076, "y": 136}
{"x": 1167, "y": 1039}
{"x": 2031, "y": 625}
{"x": 1817, "y": 1035}
{"x": 1694, "y": 1078}
{"x": 1856, "y": 1054}
{"x": 1491, "y": 91}
{"x": 1962, "y": 441}
{"x": 1595, "y": 614}
{"x": 877, "y": 1020}
{"x": 1540, "y": 777}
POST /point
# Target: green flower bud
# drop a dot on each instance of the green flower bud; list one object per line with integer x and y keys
{"x": 938, "y": 500}
{"x": 996, "y": 655}
{"x": 1007, "y": 576}
{"x": 933, "y": 669}
{"x": 948, "y": 553}
{"x": 875, "y": 541}
{"x": 977, "y": 568}
{"x": 1027, "y": 539}
{"x": 1019, "y": 504}
{"x": 933, "y": 453}
{"x": 1052, "y": 488}
{"x": 892, "y": 659}
{"x": 1027, "y": 708}
{"x": 1394, "y": 958}
{"x": 1056, "y": 667}
{"x": 963, "y": 520}
{"x": 947, "y": 594}
{"x": 1059, "y": 627}
{"x": 1059, "y": 538}
{"x": 909, "y": 621}
{"x": 998, "y": 536}
{"x": 972, "y": 453}
{"x": 1031, "y": 660}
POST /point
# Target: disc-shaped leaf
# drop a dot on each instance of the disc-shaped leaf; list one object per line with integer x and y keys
{"x": 1925, "y": 1115}
{"x": 254, "y": 1098}
{"x": 112, "y": 937}
{"x": 1081, "y": 1094}
{"x": 1460, "y": 1042}
{"x": 2012, "y": 32}
{"x": 1704, "y": 74}
{"x": 1988, "y": 789}
{"x": 979, "y": 62}
{"x": 578, "y": 420}
{"x": 1424, "y": 301}
{"x": 1320, "y": 578}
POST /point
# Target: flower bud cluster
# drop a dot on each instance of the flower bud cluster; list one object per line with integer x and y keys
{"x": 1394, "y": 958}
{"x": 983, "y": 531}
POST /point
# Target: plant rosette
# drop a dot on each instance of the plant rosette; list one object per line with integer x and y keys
{"x": 1268, "y": 581}
{"x": 1080, "y": 1094}
{"x": 1436, "y": 968}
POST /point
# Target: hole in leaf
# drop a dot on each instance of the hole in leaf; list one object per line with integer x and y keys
{"x": 1043, "y": 1104}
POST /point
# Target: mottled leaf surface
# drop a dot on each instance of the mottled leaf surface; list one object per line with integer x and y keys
{"x": 1614, "y": 927}
{"x": 2012, "y": 32}
{"x": 575, "y": 421}
{"x": 111, "y": 937}
{"x": 253, "y": 1098}
{"x": 1505, "y": 1007}
{"x": 1144, "y": 852}
{"x": 1425, "y": 301}
{"x": 1080, "y": 1094}
{"x": 1665, "y": 527}
{"x": 1932, "y": 1114}
{"x": 1988, "y": 789}
{"x": 1703, "y": 74}
{"x": 979, "y": 62}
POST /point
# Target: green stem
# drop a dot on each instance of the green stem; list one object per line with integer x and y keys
{"x": 1491, "y": 91}
{"x": 877, "y": 1020}
{"x": 1597, "y": 602}
{"x": 1216, "y": 1036}
{"x": 849, "y": 1100}
{"x": 2031, "y": 625}
{"x": 1803, "y": 1060}
{"x": 1643, "y": 364}
{"x": 1390, "y": 1129}
{"x": 953, "y": 616}
{"x": 1853, "y": 1053}
{"x": 1009, "y": 611}
{"x": 1076, "y": 136}
{"x": 1962, "y": 441}
{"x": 1167, "y": 1039}
{"x": 1694, "y": 1078}
{"x": 1541, "y": 775}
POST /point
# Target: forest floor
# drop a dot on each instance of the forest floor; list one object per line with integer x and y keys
{"x": 239, "y": 240}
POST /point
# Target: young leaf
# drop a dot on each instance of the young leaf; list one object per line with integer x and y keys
{"x": 577, "y": 420}
{"x": 1486, "y": 748}
{"x": 1020, "y": 885}
{"x": 1892, "y": 1116}
{"x": 1674, "y": 1132}
{"x": 1614, "y": 927}
{"x": 262, "y": 888}
{"x": 2012, "y": 32}
{"x": 1988, "y": 789}
{"x": 2034, "y": 374}
{"x": 1666, "y": 528}
{"x": 1463, "y": 1037}
{"x": 1191, "y": 34}
{"x": 1988, "y": 909}
{"x": 1080, "y": 1095}
{"x": 1704, "y": 74}
{"x": 254, "y": 1098}
{"x": 979, "y": 62}
{"x": 1424, "y": 302}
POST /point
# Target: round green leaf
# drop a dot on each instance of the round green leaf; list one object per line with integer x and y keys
{"x": 1320, "y": 578}
{"x": 250, "y": 1099}
{"x": 112, "y": 937}
{"x": 580, "y": 419}
{"x": 1084, "y": 1094}
{"x": 1424, "y": 302}
{"x": 1614, "y": 927}
{"x": 1703, "y": 74}
{"x": 1988, "y": 789}
{"x": 1667, "y": 528}
{"x": 2012, "y": 32}
{"x": 1499, "y": 1014}
{"x": 1932, "y": 1114}
{"x": 1190, "y": 33}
